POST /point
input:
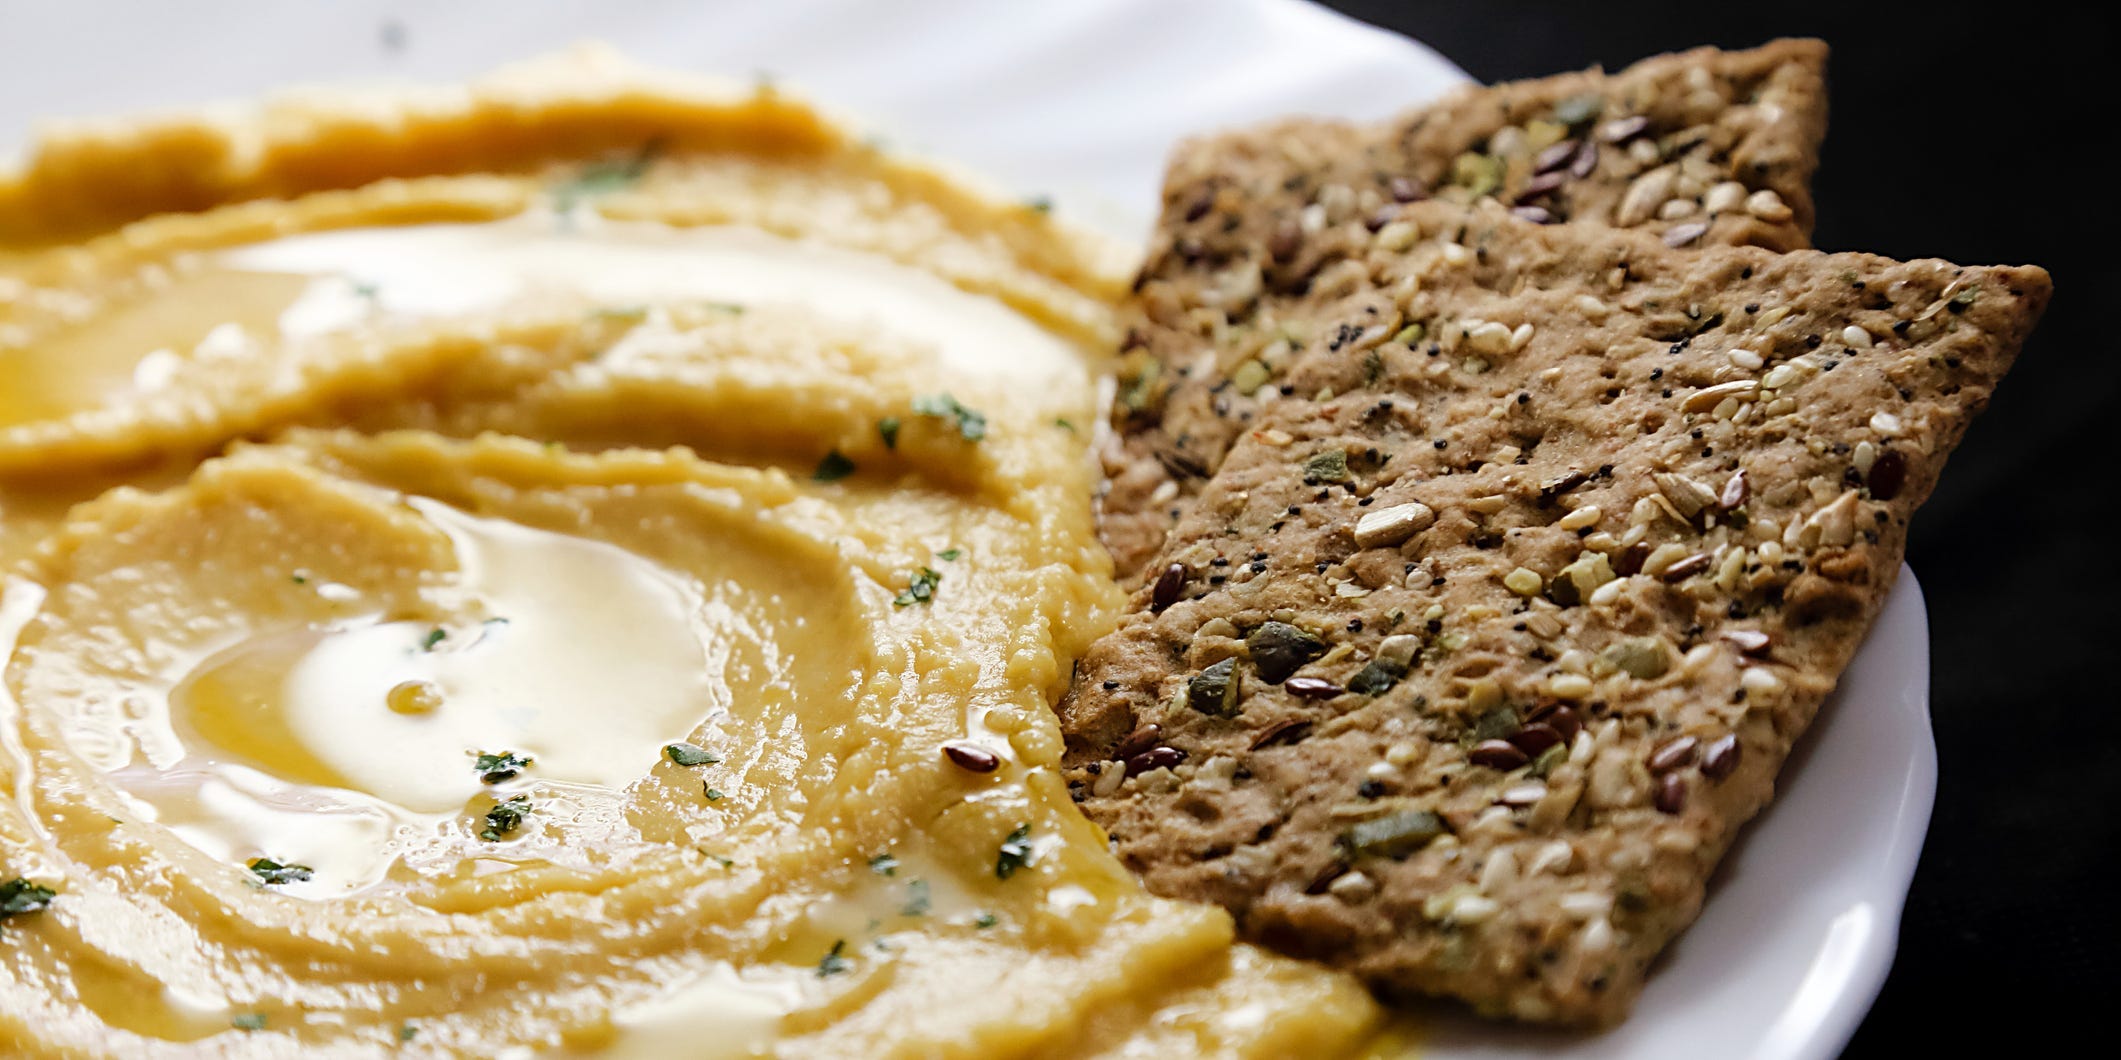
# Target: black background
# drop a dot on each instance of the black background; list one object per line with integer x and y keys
{"x": 1984, "y": 136}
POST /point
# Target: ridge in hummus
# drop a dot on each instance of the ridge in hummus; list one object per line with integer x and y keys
{"x": 497, "y": 571}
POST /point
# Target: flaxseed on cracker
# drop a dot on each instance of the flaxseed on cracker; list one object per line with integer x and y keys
{"x": 1479, "y": 646}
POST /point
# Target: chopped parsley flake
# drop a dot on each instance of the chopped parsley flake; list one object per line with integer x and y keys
{"x": 495, "y": 768}
{"x": 833, "y": 963}
{"x": 18, "y": 896}
{"x": 833, "y": 468}
{"x": 944, "y": 407}
{"x": 887, "y": 429}
{"x": 1015, "y": 853}
{"x": 986, "y": 920}
{"x": 921, "y": 591}
{"x": 407, "y": 1031}
{"x": 248, "y": 1021}
{"x": 272, "y": 872}
{"x": 686, "y": 754}
{"x": 1040, "y": 203}
{"x": 712, "y": 794}
{"x": 950, "y": 553}
{"x": 917, "y": 899}
{"x": 505, "y": 818}
{"x": 717, "y": 858}
{"x": 884, "y": 865}
{"x": 434, "y": 636}
{"x": 299, "y": 578}
{"x": 1063, "y": 424}
{"x": 603, "y": 178}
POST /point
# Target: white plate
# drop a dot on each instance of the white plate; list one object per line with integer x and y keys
{"x": 1080, "y": 100}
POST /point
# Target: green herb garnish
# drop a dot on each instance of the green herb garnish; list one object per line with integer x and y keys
{"x": 1015, "y": 853}
{"x": 884, "y": 865}
{"x": 406, "y": 1031}
{"x": 505, "y": 818}
{"x": 942, "y": 406}
{"x": 950, "y": 553}
{"x": 686, "y": 754}
{"x": 272, "y": 872}
{"x": 495, "y": 768}
{"x": 921, "y": 591}
{"x": 299, "y": 578}
{"x": 833, "y": 468}
{"x": 917, "y": 899}
{"x": 887, "y": 429}
{"x": 986, "y": 920}
{"x": 712, "y": 794}
{"x": 18, "y": 896}
{"x": 603, "y": 178}
{"x": 434, "y": 636}
{"x": 1040, "y": 203}
{"x": 248, "y": 1021}
{"x": 833, "y": 963}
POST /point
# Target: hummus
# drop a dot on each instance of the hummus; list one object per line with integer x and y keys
{"x": 579, "y": 564}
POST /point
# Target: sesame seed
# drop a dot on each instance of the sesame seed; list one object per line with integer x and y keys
{"x": 1490, "y": 337}
{"x": 1767, "y": 206}
{"x": 1386, "y": 527}
{"x": 1583, "y": 905}
{"x": 1725, "y": 196}
{"x": 1569, "y": 686}
{"x": 1760, "y": 681}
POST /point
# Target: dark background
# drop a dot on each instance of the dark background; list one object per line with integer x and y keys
{"x": 1980, "y": 135}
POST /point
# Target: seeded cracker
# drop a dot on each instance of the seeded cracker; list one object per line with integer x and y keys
{"x": 1464, "y": 677}
{"x": 1702, "y": 148}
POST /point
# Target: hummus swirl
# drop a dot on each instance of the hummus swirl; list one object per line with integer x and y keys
{"x": 575, "y": 565}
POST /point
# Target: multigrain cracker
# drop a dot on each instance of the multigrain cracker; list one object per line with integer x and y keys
{"x": 1260, "y": 226}
{"x": 1480, "y": 646}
